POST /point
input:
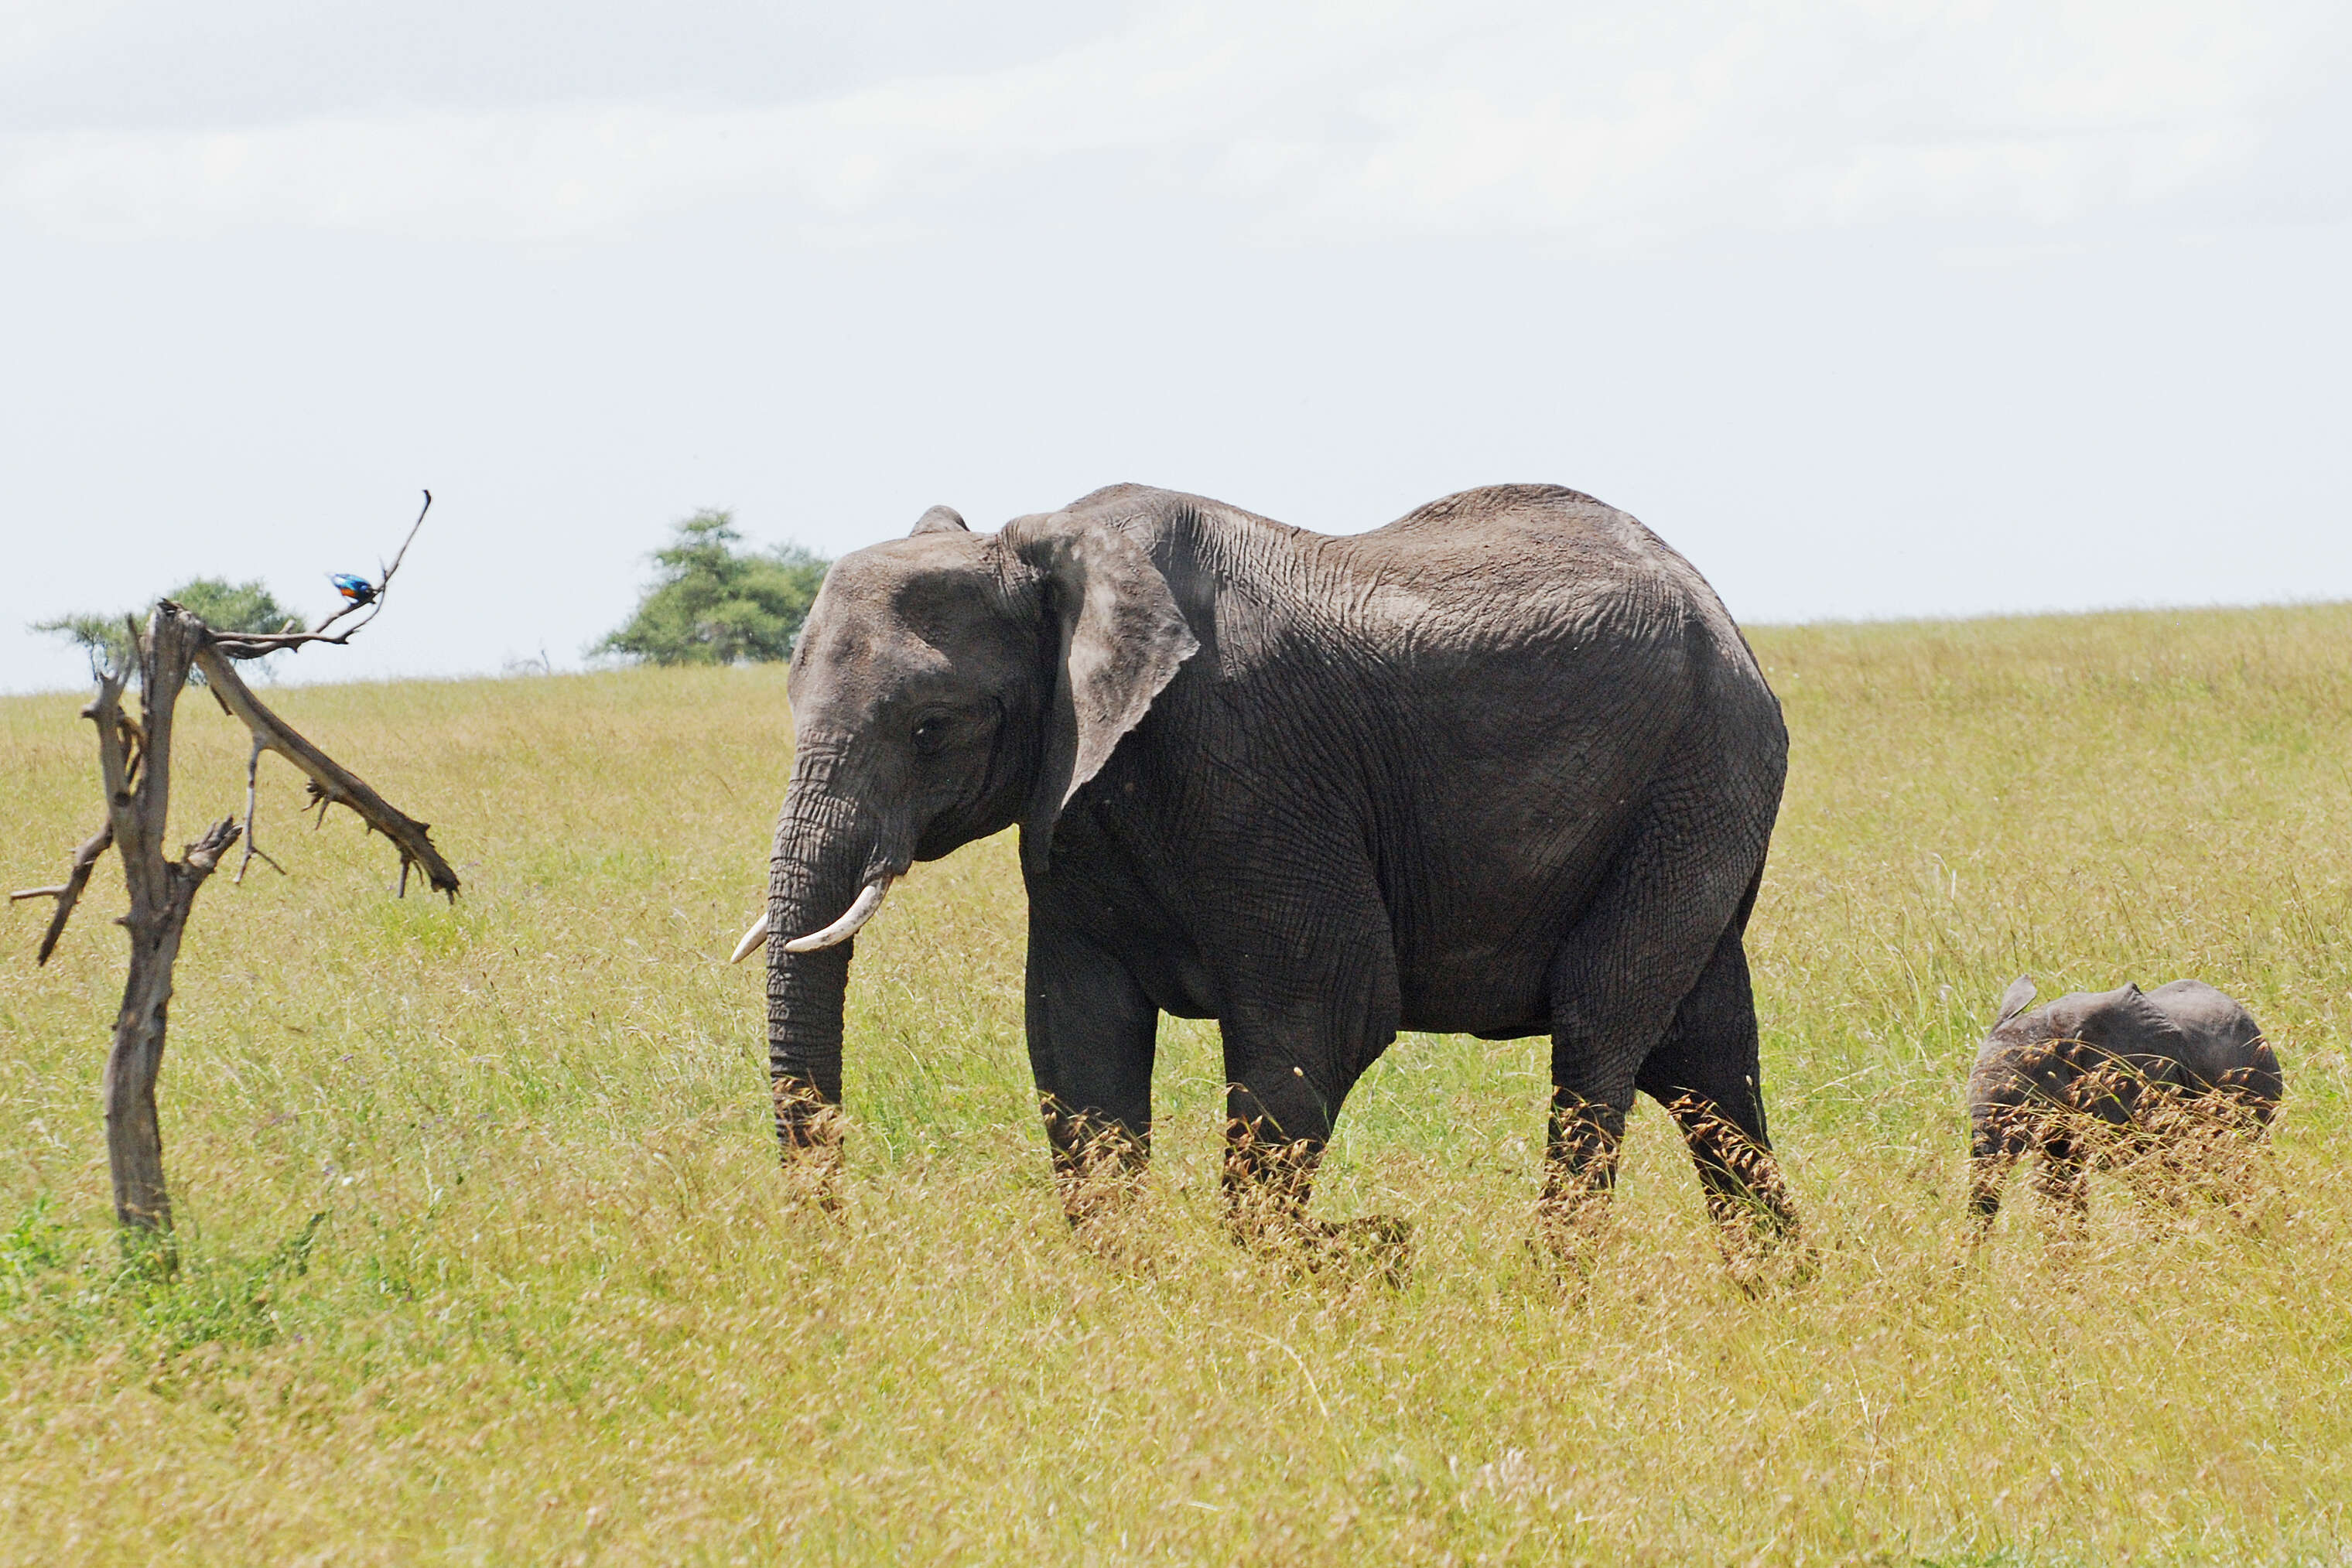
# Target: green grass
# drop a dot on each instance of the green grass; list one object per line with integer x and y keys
{"x": 484, "y": 1258}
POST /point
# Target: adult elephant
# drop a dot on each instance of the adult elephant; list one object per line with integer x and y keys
{"x": 1503, "y": 767}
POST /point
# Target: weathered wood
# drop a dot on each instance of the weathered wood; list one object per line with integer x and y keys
{"x": 253, "y": 849}
{"x": 332, "y": 784}
{"x": 134, "y": 1137}
{"x": 118, "y": 761}
{"x": 68, "y": 893}
{"x": 163, "y": 893}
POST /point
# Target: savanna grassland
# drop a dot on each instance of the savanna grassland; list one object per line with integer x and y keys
{"x": 486, "y": 1259}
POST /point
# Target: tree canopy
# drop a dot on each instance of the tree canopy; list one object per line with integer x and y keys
{"x": 712, "y": 602}
{"x": 220, "y": 604}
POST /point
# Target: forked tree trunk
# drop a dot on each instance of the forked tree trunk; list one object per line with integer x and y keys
{"x": 134, "y": 1139}
{"x": 137, "y": 765}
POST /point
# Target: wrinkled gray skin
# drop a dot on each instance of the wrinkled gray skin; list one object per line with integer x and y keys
{"x": 1504, "y": 767}
{"x": 2048, "y": 1076}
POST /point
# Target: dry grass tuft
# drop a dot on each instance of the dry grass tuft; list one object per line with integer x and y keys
{"x": 487, "y": 1257}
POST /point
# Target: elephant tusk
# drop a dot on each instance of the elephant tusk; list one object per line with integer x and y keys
{"x": 753, "y": 940}
{"x": 869, "y": 899}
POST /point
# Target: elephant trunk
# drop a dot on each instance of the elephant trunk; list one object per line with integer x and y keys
{"x": 831, "y": 846}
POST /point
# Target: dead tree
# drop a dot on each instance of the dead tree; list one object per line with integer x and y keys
{"x": 135, "y": 769}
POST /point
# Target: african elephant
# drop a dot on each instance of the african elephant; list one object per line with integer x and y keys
{"x": 1504, "y": 767}
{"x": 2094, "y": 1069}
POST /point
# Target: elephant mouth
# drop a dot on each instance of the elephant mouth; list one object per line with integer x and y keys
{"x": 861, "y": 910}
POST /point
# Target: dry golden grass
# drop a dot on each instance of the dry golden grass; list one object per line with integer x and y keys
{"x": 555, "y": 1308}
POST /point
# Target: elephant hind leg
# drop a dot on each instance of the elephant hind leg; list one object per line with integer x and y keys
{"x": 1707, "y": 1073}
{"x": 1653, "y": 972}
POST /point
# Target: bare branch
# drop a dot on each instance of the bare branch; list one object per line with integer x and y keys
{"x": 119, "y": 739}
{"x": 331, "y": 782}
{"x": 201, "y": 857}
{"x": 253, "y": 849}
{"x": 255, "y": 644}
{"x": 401, "y": 553}
{"x": 119, "y": 746}
{"x": 68, "y": 893}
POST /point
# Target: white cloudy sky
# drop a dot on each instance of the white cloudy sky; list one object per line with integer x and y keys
{"x": 1873, "y": 307}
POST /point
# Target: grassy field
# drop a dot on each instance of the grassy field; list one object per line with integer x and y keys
{"x": 485, "y": 1260}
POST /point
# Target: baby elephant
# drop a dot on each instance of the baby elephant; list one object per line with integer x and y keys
{"x": 2095, "y": 1072}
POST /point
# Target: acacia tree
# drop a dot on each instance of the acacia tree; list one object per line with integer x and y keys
{"x": 713, "y": 603}
{"x": 223, "y": 605}
{"x": 135, "y": 770}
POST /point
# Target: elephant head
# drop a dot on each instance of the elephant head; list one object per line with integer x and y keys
{"x": 947, "y": 685}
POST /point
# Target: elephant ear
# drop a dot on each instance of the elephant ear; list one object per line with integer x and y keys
{"x": 1122, "y": 638}
{"x": 2015, "y": 1000}
{"x": 940, "y": 520}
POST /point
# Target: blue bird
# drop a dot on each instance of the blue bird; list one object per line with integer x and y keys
{"x": 358, "y": 589}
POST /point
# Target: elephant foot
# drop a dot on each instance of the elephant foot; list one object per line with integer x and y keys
{"x": 1767, "y": 1261}
{"x": 1098, "y": 1164}
{"x": 2065, "y": 1205}
{"x": 1093, "y": 1197}
{"x": 1756, "y": 1231}
{"x": 1121, "y": 1233}
{"x": 1979, "y": 1231}
{"x": 1747, "y": 1195}
{"x": 1267, "y": 1185}
{"x": 1376, "y": 1248}
{"x": 1572, "y": 1226}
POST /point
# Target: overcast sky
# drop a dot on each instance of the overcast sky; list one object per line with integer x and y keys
{"x": 1871, "y": 308}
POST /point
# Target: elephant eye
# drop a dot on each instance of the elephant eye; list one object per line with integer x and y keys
{"x": 931, "y": 735}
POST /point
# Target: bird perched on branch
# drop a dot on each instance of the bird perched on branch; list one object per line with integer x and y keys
{"x": 358, "y": 589}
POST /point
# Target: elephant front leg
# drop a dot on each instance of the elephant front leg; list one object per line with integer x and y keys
{"x": 1092, "y": 1037}
{"x": 1297, "y": 1035}
{"x": 1278, "y": 1123}
{"x": 1580, "y": 1142}
{"x": 1999, "y": 1135}
{"x": 2062, "y": 1183}
{"x": 1307, "y": 998}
